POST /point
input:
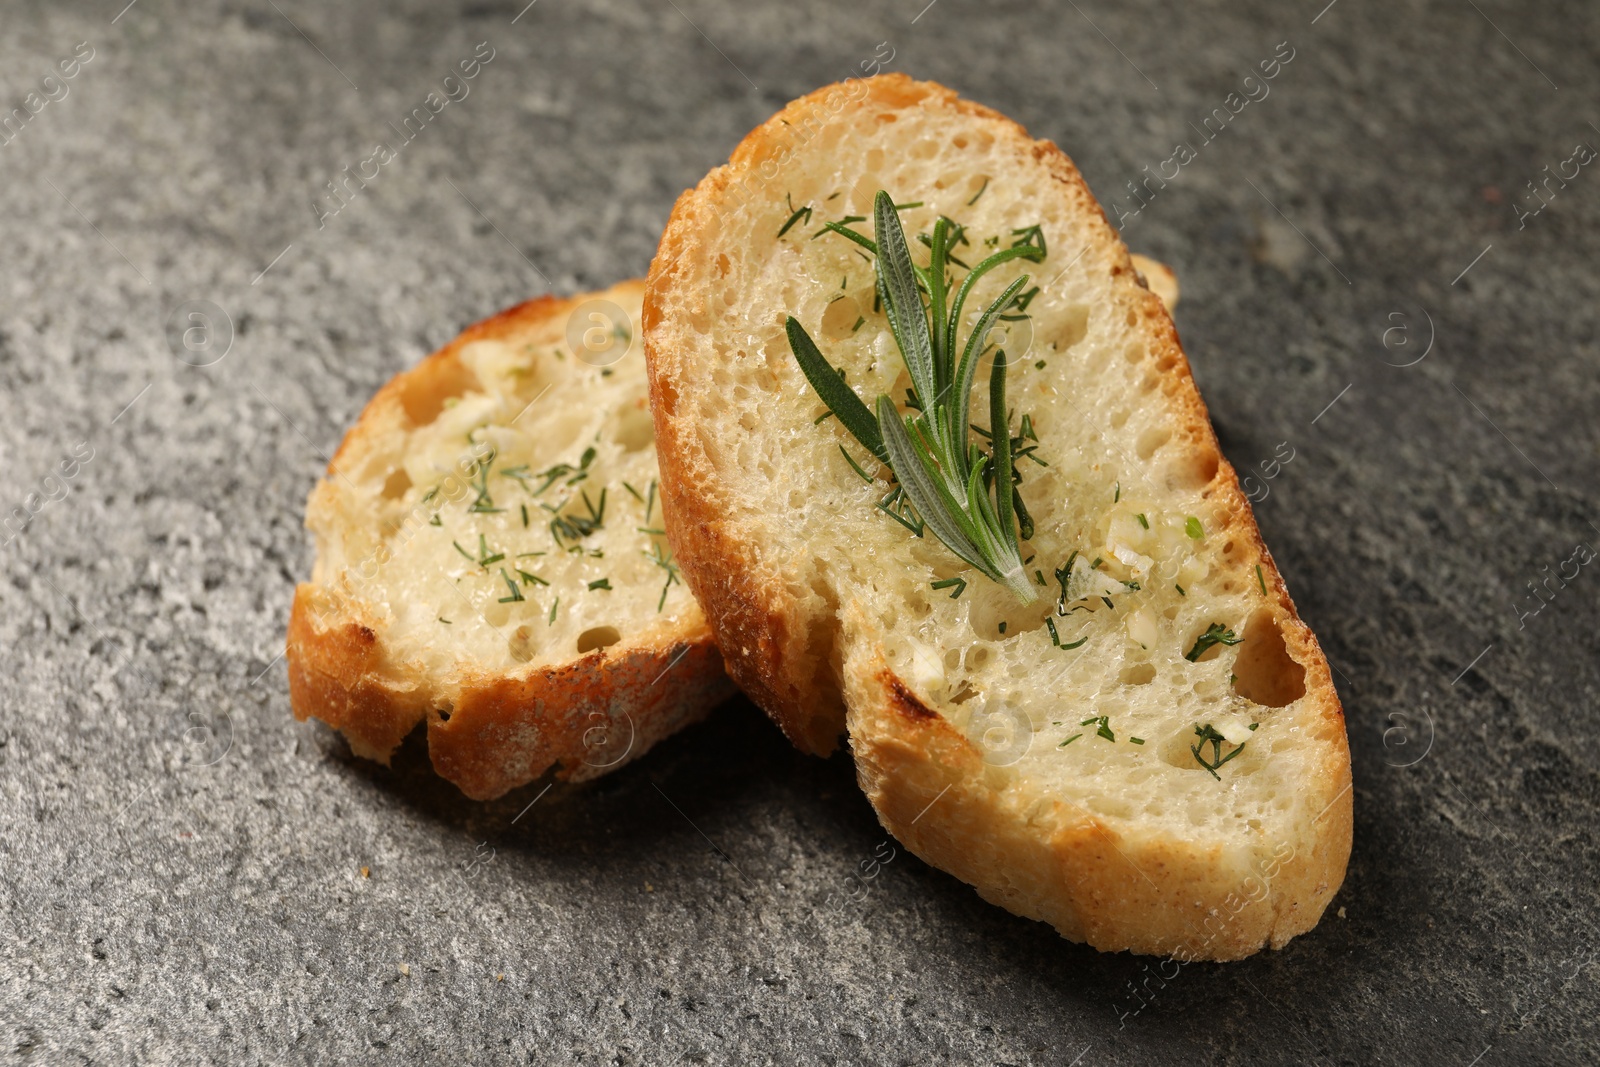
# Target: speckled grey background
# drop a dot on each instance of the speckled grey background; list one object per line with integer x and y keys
{"x": 189, "y": 876}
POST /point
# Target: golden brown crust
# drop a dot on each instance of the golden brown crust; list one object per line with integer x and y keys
{"x": 491, "y": 731}
{"x": 1149, "y": 894}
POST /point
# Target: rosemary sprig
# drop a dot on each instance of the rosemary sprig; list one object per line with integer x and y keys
{"x": 945, "y": 475}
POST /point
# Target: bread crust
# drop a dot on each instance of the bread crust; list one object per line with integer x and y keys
{"x": 1147, "y": 894}
{"x": 490, "y": 731}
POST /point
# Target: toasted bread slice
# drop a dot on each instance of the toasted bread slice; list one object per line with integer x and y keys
{"x": 486, "y": 561}
{"x": 1090, "y": 759}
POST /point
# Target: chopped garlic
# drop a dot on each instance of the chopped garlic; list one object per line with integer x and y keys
{"x": 1142, "y": 628}
{"x": 927, "y": 670}
{"x": 1236, "y": 731}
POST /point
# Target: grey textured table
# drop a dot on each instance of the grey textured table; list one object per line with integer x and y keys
{"x": 190, "y": 876}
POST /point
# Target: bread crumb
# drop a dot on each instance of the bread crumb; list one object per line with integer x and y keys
{"x": 405, "y": 970}
{"x": 366, "y": 872}
{"x": 1341, "y": 912}
{"x": 499, "y": 978}
{"x": 648, "y": 888}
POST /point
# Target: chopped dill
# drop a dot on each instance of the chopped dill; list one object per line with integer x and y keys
{"x": 1055, "y": 638}
{"x": 855, "y": 466}
{"x": 1209, "y": 734}
{"x": 1216, "y": 634}
{"x": 1031, "y": 235}
{"x": 800, "y": 214}
{"x": 663, "y": 559}
{"x": 516, "y": 594}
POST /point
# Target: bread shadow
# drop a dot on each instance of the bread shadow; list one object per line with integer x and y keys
{"x": 733, "y": 784}
{"x": 697, "y": 782}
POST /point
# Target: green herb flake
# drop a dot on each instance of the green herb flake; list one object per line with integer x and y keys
{"x": 979, "y": 193}
{"x": 1216, "y": 634}
{"x": 601, "y": 583}
{"x": 959, "y": 583}
{"x": 1208, "y": 735}
{"x": 800, "y": 214}
{"x": 1055, "y": 638}
{"x": 1069, "y": 741}
{"x": 1192, "y": 527}
{"x": 1262, "y": 581}
{"x": 1136, "y": 740}
{"x": 516, "y": 594}
{"x": 1142, "y": 520}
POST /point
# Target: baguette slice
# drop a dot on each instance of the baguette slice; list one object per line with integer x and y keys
{"x": 966, "y": 718}
{"x": 398, "y": 624}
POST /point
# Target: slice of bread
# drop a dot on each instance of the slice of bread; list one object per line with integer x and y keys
{"x": 1086, "y": 759}
{"x": 446, "y": 588}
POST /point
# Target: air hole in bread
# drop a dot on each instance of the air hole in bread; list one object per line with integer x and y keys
{"x": 1133, "y": 317}
{"x": 1134, "y": 352}
{"x": 1119, "y": 418}
{"x": 1139, "y": 674}
{"x": 596, "y": 637}
{"x": 634, "y": 430}
{"x": 1194, "y": 470}
{"x": 1152, "y": 439}
{"x": 838, "y": 322}
{"x": 424, "y": 391}
{"x": 1263, "y": 672}
{"x": 723, "y": 266}
{"x": 395, "y": 486}
{"x": 989, "y": 613}
{"x": 1073, "y": 328}
{"x": 924, "y": 149}
{"x": 444, "y": 711}
{"x": 521, "y": 644}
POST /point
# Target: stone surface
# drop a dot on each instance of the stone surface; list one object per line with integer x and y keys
{"x": 189, "y": 876}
